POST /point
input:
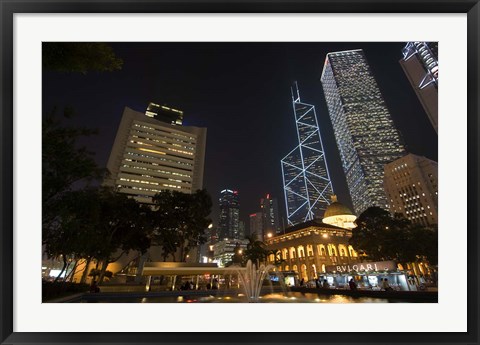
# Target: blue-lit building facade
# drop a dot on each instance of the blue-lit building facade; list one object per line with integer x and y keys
{"x": 306, "y": 180}
{"x": 366, "y": 136}
{"x": 229, "y": 220}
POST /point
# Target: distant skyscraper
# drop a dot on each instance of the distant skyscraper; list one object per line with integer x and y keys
{"x": 256, "y": 225}
{"x": 229, "y": 222}
{"x": 366, "y": 136}
{"x": 149, "y": 156}
{"x": 420, "y": 64}
{"x": 306, "y": 180}
{"x": 241, "y": 230}
{"x": 164, "y": 114}
{"x": 411, "y": 184}
{"x": 270, "y": 216}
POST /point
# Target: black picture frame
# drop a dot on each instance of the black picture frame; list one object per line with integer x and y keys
{"x": 10, "y": 7}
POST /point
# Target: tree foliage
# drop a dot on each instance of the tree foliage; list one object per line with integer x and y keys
{"x": 64, "y": 163}
{"x": 65, "y": 166}
{"x": 256, "y": 250}
{"x": 101, "y": 224}
{"x": 181, "y": 221}
{"x": 79, "y": 57}
{"x": 383, "y": 237}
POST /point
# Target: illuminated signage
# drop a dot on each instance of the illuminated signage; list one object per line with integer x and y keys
{"x": 363, "y": 267}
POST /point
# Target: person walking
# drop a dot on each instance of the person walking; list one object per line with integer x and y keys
{"x": 352, "y": 285}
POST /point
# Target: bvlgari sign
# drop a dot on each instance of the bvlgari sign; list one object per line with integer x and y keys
{"x": 380, "y": 266}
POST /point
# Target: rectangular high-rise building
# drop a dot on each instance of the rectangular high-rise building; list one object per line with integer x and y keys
{"x": 411, "y": 184}
{"x": 229, "y": 222}
{"x": 270, "y": 216}
{"x": 366, "y": 136}
{"x": 149, "y": 156}
{"x": 256, "y": 225}
{"x": 420, "y": 64}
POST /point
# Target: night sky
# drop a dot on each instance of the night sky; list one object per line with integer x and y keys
{"x": 241, "y": 93}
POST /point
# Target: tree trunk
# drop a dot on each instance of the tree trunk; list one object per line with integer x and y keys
{"x": 72, "y": 272}
{"x": 104, "y": 269}
{"x": 63, "y": 268}
{"x": 85, "y": 272}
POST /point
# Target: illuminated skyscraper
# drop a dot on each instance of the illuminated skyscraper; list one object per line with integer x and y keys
{"x": 306, "y": 181}
{"x": 364, "y": 130}
{"x": 229, "y": 222}
{"x": 420, "y": 64}
{"x": 149, "y": 156}
{"x": 270, "y": 216}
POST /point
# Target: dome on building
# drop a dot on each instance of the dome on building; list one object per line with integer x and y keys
{"x": 339, "y": 215}
{"x": 337, "y": 209}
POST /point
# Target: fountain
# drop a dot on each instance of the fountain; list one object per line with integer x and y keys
{"x": 252, "y": 280}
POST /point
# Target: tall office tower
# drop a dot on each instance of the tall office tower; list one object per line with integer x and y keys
{"x": 306, "y": 181}
{"x": 256, "y": 225}
{"x": 149, "y": 156}
{"x": 270, "y": 216}
{"x": 241, "y": 230}
{"x": 164, "y": 114}
{"x": 364, "y": 130}
{"x": 229, "y": 222}
{"x": 420, "y": 64}
{"x": 411, "y": 184}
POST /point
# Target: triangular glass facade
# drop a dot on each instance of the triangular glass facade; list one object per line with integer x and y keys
{"x": 306, "y": 180}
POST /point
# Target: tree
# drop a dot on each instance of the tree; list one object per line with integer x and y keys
{"x": 181, "y": 221}
{"x": 122, "y": 225}
{"x": 68, "y": 236}
{"x": 64, "y": 165}
{"x": 380, "y": 236}
{"x": 256, "y": 250}
{"x": 101, "y": 224}
{"x": 79, "y": 57}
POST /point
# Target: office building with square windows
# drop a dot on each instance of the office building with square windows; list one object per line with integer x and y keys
{"x": 411, "y": 184}
{"x": 229, "y": 219}
{"x": 150, "y": 155}
{"x": 366, "y": 136}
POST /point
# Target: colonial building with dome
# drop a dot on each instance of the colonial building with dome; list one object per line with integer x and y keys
{"x": 309, "y": 247}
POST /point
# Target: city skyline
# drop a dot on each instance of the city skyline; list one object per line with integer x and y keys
{"x": 234, "y": 148}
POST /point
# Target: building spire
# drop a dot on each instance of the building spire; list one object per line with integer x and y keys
{"x": 295, "y": 92}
